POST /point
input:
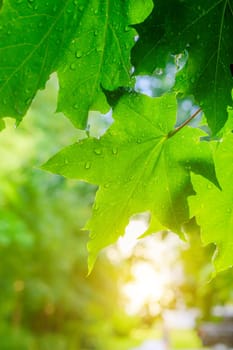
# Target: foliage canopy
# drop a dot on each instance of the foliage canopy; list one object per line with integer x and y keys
{"x": 146, "y": 161}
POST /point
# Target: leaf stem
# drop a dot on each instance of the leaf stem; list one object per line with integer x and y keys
{"x": 187, "y": 121}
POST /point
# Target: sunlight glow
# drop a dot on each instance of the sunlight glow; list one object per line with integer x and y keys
{"x": 146, "y": 289}
{"x": 155, "y": 267}
{"x": 155, "y": 271}
{"x": 135, "y": 229}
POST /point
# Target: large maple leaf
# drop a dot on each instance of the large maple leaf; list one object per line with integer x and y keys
{"x": 139, "y": 166}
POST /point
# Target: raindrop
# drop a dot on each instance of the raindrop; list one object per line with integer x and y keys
{"x": 139, "y": 140}
{"x": 75, "y": 106}
{"x": 78, "y": 54}
{"x": 209, "y": 187}
{"x": 114, "y": 150}
{"x": 72, "y": 66}
{"x": 66, "y": 161}
{"x": 98, "y": 151}
{"x": 198, "y": 36}
{"x": 158, "y": 71}
{"x": 106, "y": 185}
{"x": 87, "y": 165}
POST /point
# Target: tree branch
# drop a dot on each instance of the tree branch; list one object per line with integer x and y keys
{"x": 187, "y": 121}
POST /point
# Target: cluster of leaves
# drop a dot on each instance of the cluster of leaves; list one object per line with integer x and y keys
{"x": 144, "y": 162}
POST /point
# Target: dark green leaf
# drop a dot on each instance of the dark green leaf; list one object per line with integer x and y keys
{"x": 203, "y": 29}
{"x": 89, "y": 44}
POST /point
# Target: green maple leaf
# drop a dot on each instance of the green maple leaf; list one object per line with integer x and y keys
{"x": 87, "y": 42}
{"x": 32, "y": 40}
{"x": 99, "y": 55}
{"x": 204, "y": 29}
{"x": 213, "y": 207}
{"x": 139, "y": 166}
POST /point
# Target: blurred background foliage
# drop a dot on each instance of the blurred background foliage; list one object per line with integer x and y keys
{"x": 46, "y": 299}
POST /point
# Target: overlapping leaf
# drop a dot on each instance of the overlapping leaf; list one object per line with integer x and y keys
{"x": 213, "y": 207}
{"x": 138, "y": 168}
{"x": 204, "y": 29}
{"x": 99, "y": 55}
{"x": 33, "y": 35}
{"x": 89, "y": 42}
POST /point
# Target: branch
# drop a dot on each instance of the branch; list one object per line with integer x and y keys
{"x": 187, "y": 121}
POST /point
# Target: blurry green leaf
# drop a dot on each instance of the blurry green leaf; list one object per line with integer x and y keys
{"x": 13, "y": 230}
{"x": 138, "y": 167}
{"x": 204, "y": 30}
{"x": 213, "y": 207}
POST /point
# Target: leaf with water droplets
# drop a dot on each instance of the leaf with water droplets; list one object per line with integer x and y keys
{"x": 202, "y": 30}
{"x": 103, "y": 60}
{"x": 84, "y": 41}
{"x": 213, "y": 207}
{"x": 135, "y": 177}
{"x": 33, "y": 37}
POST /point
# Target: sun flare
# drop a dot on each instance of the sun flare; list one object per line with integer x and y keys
{"x": 154, "y": 271}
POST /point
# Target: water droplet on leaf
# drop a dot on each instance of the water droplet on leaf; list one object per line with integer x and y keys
{"x": 72, "y": 66}
{"x": 114, "y": 150}
{"x": 98, "y": 151}
{"x": 87, "y": 165}
{"x": 158, "y": 71}
{"x": 78, "y": 54}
